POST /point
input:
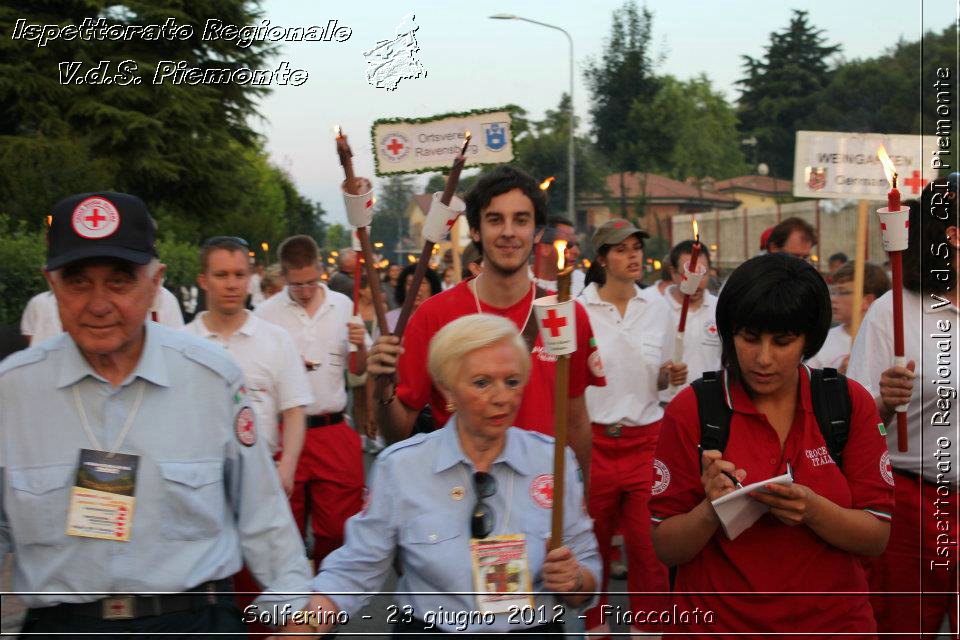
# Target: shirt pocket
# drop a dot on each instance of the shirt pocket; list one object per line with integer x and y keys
{"x": 193, "y": 500}
{"x": 438, "y": 551}
{"x": 39, "y": 497}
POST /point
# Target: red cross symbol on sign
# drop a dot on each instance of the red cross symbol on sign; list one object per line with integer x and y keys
{"x": 554, "y": 323}
{"x": 915, "y": 182}
{"x": 95, "y": 218}
{"x": 395, "y": 146}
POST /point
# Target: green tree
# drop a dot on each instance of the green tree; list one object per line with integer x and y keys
{"x": 543, "y": 153}
{"x": 704, "y": 126}
{"x": 337, "y": 237}
{"x": 22, "y": 254}
{"x": 623, "y": 80}
{"x": 879, "y": 94}
{"x": 392, "y": 201}
{"x": 175, "y": 145}
{"x": 780, "y": 90}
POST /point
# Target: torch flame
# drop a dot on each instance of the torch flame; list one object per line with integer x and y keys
{"x": 561, "y": 247}
{"x": 888, "y": 169}
{"x": 696, "y": 231}
{"x": 546, "y": 183}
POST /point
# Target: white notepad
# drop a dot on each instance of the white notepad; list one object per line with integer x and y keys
{"x": 738, "y": 511}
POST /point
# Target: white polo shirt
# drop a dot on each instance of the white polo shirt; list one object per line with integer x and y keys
{"x": 929, "y": 332}
{"x": 835, "y": 348}
{"x": 632, "y": 349}
{"x": 322, "y": 339}
{"x": 167, "y": 308}
{"x": 41, "y": 319}
{"x": 701, "y": 340}
{"x": 272, "y": 369}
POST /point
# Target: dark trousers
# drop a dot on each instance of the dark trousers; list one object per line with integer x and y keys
{"x": 215, "y": 618}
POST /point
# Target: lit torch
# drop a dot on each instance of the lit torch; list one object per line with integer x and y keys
{"x": 358, "y": 198}
{"x": 690, "y": 278}
{"x": 546, "y": 183}
{"x": 895, "y": 229}
{"x": 561, "y": 394}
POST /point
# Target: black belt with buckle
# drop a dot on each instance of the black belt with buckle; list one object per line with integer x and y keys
{"x": 129, "y": 607}
{"x": 324, "y": 420}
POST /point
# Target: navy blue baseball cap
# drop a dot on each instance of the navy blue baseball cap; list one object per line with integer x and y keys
{"x": 100, "y": 224}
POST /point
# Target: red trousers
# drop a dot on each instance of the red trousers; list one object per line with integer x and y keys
{"x": 328, "y": 485}
{"x": 909, "y": 563}
{"x": 621, "y": 476}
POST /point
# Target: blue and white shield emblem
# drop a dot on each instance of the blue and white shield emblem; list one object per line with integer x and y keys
{"x": 496, "y": 135}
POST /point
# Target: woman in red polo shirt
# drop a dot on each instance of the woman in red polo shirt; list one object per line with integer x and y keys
{"x": 773, "y": 312}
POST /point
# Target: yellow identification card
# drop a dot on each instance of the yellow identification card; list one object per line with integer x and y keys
{"x": 102, "y": 498}
{"x": 501, "y": 573}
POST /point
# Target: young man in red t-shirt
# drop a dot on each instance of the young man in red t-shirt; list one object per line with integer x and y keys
{"x": 503, "y": 211}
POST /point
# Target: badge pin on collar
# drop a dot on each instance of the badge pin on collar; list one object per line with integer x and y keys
{"x": 457, "y": 493}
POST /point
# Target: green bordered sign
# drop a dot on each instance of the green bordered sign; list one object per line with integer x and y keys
{"x": 418, "y": 145}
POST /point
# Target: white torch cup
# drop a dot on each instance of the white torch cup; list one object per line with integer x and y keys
{"x": 894, "y": 228}
{"x": 441, "y": 217}
{"x": 558, "y": 325}
{"x": 690, "y": 281}
{"x": 359, "y": 207}
{"x": 895, "y": 233}
{"x": 355, "y": 320}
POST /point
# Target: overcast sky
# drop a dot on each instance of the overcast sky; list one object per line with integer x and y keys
{"x": 474, "y": 62}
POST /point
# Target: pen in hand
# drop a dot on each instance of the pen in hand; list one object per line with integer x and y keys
{"x": 733, "y": 478}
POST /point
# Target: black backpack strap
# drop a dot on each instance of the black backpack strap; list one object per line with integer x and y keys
{"x": 831, "y": 406}
{"x": 714, "y": 412}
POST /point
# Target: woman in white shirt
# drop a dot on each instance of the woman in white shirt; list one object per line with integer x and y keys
{"x": 634, "y": 336}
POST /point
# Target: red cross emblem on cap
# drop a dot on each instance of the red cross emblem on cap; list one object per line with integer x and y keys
{"x": 554, "y": 323}
{"x": 95, "y": 218}
{"x": 618, "y": 225}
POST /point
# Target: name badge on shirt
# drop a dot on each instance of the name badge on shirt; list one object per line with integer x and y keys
{"x": 500, "y": 571}
{"x": 102, "y": 498}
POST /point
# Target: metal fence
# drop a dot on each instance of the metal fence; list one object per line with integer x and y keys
{"x": 733, "y": 236}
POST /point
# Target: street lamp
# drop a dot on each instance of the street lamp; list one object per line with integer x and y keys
{"x": 570, "y": 156}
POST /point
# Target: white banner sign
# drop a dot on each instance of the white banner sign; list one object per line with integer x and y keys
{"x": 831, "y": 164}
{"x": 402, "y": 146}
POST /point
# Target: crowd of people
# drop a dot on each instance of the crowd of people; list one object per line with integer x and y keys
{"x": 140, "y": 454}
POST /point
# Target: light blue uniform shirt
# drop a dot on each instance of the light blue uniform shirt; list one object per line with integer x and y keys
{"x": 203, "y": 499}
{"x": 412, "y": 513}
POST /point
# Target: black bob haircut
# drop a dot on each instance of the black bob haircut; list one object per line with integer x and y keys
{"x": 774, "y": 293}
{"x": 403, "y": 281}
{"x": 499, "y": 181}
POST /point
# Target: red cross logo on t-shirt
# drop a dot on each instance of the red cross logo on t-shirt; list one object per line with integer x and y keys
{"x": 915, "y": 182}
{"x": 554, "y": 323}
{"x": 541, "y": 490}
